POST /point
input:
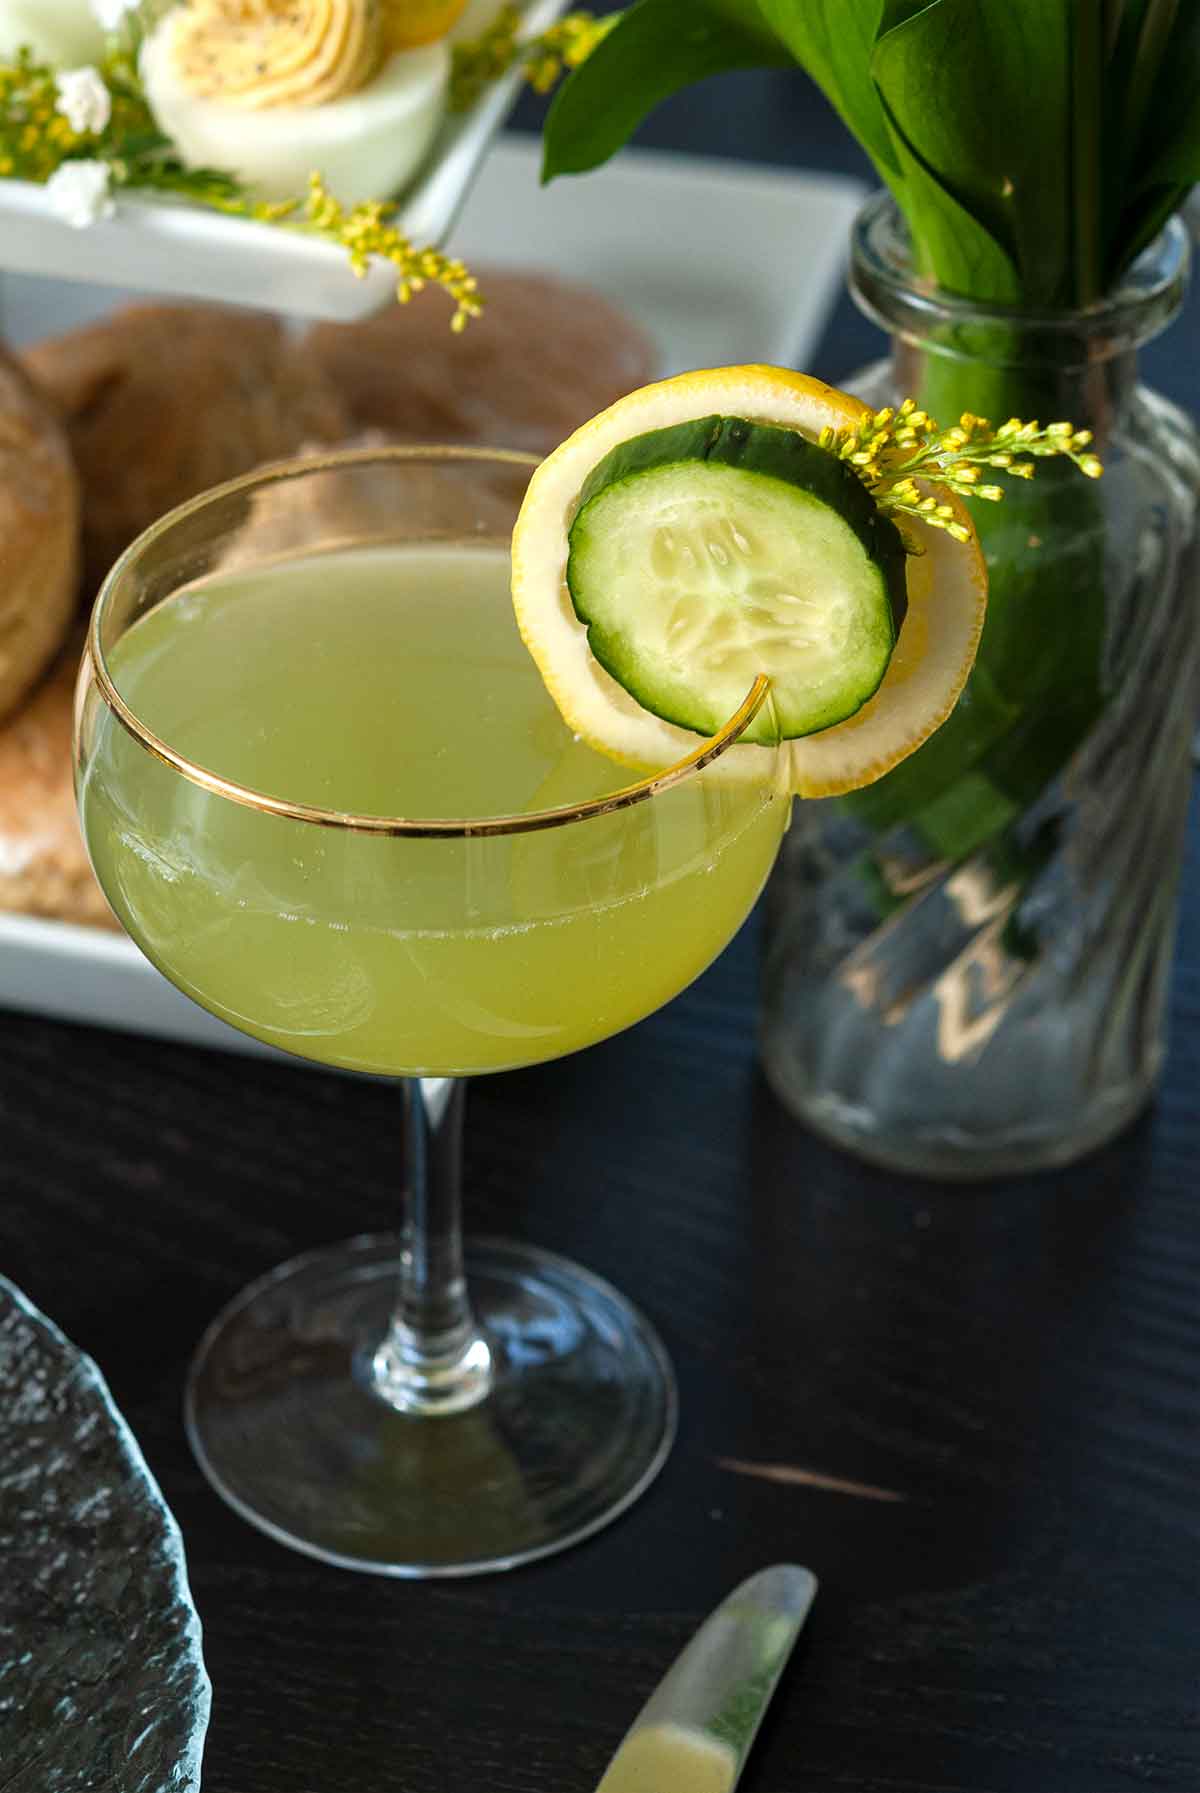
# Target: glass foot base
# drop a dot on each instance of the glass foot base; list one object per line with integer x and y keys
{"x": 283, "y": 1420}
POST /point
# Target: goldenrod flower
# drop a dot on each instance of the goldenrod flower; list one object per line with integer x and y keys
{"x": 891, "y": 449}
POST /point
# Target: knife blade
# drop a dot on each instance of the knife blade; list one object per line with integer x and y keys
{"x": 695, "y": 1731}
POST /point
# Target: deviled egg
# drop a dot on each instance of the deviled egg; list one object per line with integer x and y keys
{"x": 66, "y": 33}
{"x": 292, "y": 86}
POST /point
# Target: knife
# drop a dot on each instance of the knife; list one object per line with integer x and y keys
{"x": 695, "y": 1731}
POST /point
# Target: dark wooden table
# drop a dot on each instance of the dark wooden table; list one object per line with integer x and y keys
{"x": 973, "y": 1412}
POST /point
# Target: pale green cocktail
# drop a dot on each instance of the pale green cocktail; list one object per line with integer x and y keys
{"x": 393, "y": 682}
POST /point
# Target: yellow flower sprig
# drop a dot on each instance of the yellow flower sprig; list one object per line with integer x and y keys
{"x": 365, "y": 232}
{"x": 893, "y": 448}
{"x": 34, "y": 135}
{"x": 475, "y": 64}
{"x": 37, "y": 137}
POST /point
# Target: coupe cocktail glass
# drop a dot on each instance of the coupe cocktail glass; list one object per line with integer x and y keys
{"x": 295, "y": 689}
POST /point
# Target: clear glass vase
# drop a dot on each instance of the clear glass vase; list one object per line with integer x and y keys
{"x": 966, "y": 964}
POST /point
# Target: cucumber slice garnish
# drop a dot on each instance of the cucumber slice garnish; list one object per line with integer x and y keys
{"x": 705, "y": 553}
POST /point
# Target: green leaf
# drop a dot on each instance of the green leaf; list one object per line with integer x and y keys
{"x": 1157, "y": 123}
{"x": 654, "y": 50}
{"x": 997, "y": 107}
{"x": 948, "y": 241}
{"x": 1138, "y": 62}
{"x": 1152, "y": 123}
{"x": 1034, "y": 145}
{"x": 833, "y": 40}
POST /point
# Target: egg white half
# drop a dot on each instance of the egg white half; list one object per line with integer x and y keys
{"x": 366, "y": 145}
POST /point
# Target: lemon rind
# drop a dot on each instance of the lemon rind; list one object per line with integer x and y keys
{"x": 946, "y": 583}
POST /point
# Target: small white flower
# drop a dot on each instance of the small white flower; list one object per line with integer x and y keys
{"x": 83, "y": 99}
{"x": 112, "y": 13}
{"x": 79, "y": 192}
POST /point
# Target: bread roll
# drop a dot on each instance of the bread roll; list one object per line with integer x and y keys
{"x": 39, "y": 535}
{"x": 544, "y": 357}
{"x": 44, "y": 867}
{"x": 162, "y": 401}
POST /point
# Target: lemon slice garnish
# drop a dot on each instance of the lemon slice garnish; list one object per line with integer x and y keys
{"x": 946, "y": 587}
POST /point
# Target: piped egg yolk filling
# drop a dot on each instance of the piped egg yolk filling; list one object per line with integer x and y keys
{"x": 262, "y": 53}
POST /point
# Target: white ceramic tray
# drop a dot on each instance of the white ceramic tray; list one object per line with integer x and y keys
{"x": 158, "y": 246}
{"x": 641, "y": 230}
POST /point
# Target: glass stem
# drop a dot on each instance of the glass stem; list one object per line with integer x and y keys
{"x": 434, "y": 1358}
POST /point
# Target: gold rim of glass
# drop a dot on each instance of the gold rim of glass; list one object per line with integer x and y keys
{"x": 428, "y": 828}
